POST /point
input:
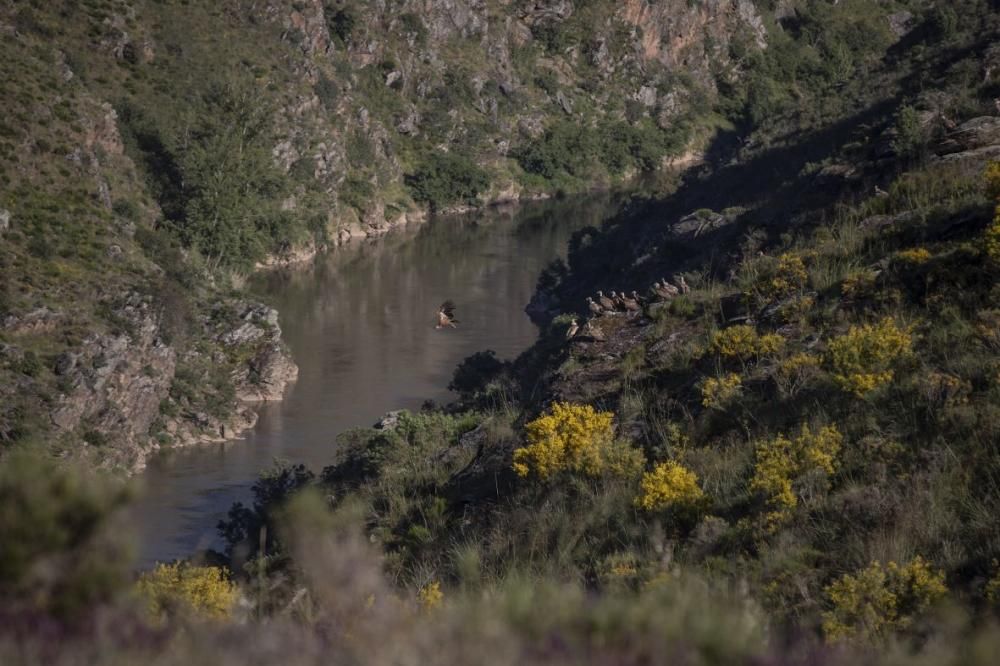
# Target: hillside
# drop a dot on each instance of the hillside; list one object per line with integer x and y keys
{"x": 813, "y": 424}
{"x": 789, "y": 456}
{"x": 154, "y": 152}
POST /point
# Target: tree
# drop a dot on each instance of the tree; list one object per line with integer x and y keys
{"x": 232, "y": 188}
{"x": 242, "y": 527}
{"x": 445, "y": 178}
{"x": 475, "y": 372}
{"x": 911, "y": 138}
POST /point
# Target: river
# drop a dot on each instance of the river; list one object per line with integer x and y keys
{"x": 360, "y": 325}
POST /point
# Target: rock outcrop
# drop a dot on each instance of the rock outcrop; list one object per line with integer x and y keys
{"x": 637, "y": 48}
{"x": 119, "y": 389}
{"x": 114, "y": 385}
{"x": 976, "y": 139}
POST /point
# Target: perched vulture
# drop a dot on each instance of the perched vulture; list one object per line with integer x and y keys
{"x": 605, "y": 302}
{"x": 572, "y": 330}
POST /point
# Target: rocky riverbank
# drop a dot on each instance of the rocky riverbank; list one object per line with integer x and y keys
{"x": 123, "y": 394}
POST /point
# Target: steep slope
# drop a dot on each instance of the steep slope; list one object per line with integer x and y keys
{"x": 790, "y": 457}
{"x": 811, "y": 418}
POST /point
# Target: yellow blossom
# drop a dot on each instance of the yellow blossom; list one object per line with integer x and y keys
{"x": 861, "y": 360}
{"x": 790, "y": 276}
{"x": 879, "y": 599}
{"x": 858, "y": 284}
{"x": 574, "y": 438}
{"x": 992, "y": 235}
{"x": 779, "y": 279}
{"x": 992, "y": 178}
{"x": 794, "y": 372}
{"x": 716, "y": 393}
{"x": 734, "y": 342}
{"x": 430, "y": 596}
{"x": 743, "y": 342}
{"x": 780, "y": 461}
{"x": 181, "y": 587}
{"x": 669, "y": 485}
{"x": 914, "y": 255}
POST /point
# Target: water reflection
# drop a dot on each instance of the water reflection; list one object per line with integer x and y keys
{"x": 360, "y": 324}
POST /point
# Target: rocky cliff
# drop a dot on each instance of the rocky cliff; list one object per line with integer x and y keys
{"x": 360, "y": 93}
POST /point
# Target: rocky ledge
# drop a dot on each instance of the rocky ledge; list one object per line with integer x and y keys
{"x": 128, "y": 392}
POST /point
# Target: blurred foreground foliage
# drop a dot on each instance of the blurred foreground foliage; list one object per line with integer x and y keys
{"x": 343, "y": 609}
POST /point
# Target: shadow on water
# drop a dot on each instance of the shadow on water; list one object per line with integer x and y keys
{"x": 360, "y": 324}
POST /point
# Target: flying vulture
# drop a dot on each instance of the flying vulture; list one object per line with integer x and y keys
{"x": 446, "y": 315}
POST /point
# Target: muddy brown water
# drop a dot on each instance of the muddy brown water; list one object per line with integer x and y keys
{"x": 360, "y": 325}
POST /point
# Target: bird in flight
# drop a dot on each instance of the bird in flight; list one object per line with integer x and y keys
{"x": 446, "y": 315}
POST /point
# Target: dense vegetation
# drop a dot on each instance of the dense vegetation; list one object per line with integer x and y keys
{"x": 213, "y": 175}
{"x": 795, "y": 462}
{"x": 834, "y": 457}
{"x": 447, "y": 179}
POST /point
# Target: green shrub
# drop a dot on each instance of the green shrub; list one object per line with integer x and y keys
{"x": 126, "y": 208}
{"x": 414, "y": 25}
{"x": 571, "y": 149}
{"x": 327, "y": 91}
{"x": 213, "y": 173}
{"x": 475, "y": 372}
{"x": 61, "y": 550}
{"x": 445, "y": 178}
{"x": 356, "y": 192}
{"x": 565, "y": 148}
{"x": 941, "y": 22}
{"x": 911, "y": 138}
{"x": 342, "y": 22}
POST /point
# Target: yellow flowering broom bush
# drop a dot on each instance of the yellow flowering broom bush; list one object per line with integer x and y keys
{"x": 793, "y": 373}
{"x": 716, "y": 393}
{"x": 669, "y": 485}
{"x": 992, "y": 238}
{"x": 791, "y": 276}
{"x": 993, "y": 181}
{"x": 859, "y": 284}
{"x": 574, "y": 438}
{"x": 880, "y": 599}
{"x": 783, "y": 278}
{"x": 430, "y": 596}
{"x": 780, "y": 461}
{"x": 206, "y": 591}
{"x": 914, "y": 256}
{"x": 861, "y": 360}
{"x": 744, "y": 343}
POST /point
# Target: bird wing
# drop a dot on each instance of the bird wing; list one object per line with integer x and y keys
{"x": 446, "y": 313}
